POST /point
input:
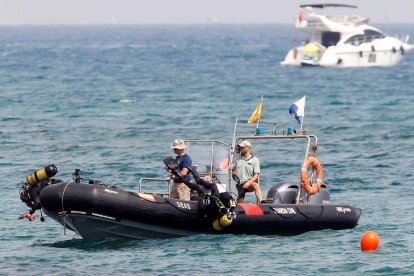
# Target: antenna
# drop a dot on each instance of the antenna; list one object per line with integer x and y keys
{"x": 274, "y": 128}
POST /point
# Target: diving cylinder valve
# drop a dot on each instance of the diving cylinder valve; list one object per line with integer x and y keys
{"x": 41, "y": 174}
{"x": 223, "y": 221}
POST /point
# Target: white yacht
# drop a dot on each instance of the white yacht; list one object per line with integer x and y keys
{"x": 343, "y": 40}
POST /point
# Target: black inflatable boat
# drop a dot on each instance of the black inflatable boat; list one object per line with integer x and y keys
{"x": 97, "y": 210}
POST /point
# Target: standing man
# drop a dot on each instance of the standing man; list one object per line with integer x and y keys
{"x": 247, "y": 168}
{"x": 180, "y": 190}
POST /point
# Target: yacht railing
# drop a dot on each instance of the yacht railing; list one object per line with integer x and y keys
{"x": 350, "y": 19}
{"x": 403, "y": 38}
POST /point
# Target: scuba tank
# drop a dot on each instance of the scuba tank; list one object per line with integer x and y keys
{"x": 228, "y": 214}
{"x": 223, "y": 221}
{"x": 41, "y": 174}
{"x": 31, "y": 187}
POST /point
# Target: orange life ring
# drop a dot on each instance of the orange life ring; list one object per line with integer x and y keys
{"x": 309, "y": 187}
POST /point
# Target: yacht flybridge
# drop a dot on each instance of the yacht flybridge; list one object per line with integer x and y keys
{"x": 343, "y": 40}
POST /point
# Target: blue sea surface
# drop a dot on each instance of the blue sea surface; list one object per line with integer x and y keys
{"x": 109, "y": 100}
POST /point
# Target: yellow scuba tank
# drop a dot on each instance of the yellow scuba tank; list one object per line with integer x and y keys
{"x": 41, "y": 174}
{"x": 222, "y": 222}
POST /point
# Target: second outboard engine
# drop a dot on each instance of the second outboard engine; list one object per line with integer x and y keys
{"x": 322, "y": 197}
{"x": 286, "y": 193}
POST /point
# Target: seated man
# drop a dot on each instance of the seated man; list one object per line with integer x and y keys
{"x": 247, "y": 169}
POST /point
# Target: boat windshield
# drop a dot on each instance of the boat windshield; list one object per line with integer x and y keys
{"x": 368, "y": 36}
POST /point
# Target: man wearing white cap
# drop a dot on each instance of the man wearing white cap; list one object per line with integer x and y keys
{"x": 247, "y": 168}
{"x": 180, "y": 190}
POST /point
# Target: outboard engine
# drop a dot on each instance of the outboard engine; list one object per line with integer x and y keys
{"x": 283, "y": 193}
{"x": 322, "y": 197}
{"x": 286, "y": 193}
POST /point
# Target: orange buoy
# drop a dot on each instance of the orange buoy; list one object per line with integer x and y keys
{"x": 369, "y": 241}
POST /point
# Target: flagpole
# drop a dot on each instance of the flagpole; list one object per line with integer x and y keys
{"x": 232, "y": 151}
{"x": 301, "y": 123}
{"x": 234, "y": 135}
{"x": 303, "y": 118}
{"x": 261, "y": 100}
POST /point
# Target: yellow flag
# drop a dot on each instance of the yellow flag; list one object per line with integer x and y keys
{"x": 256, "y": 113}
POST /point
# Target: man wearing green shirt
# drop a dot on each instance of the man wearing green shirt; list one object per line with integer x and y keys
{"x": 247, "y": 168}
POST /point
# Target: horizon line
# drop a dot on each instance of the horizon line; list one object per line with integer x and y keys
{"x": 169, "y": 23}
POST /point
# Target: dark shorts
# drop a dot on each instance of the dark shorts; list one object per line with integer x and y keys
{"x": 241, "y": 192}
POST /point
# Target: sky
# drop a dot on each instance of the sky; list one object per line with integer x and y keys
{"x": 75, "y": 12}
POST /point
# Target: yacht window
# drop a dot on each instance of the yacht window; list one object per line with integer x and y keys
{"x": 373, "y": 33}
{"x": 368, "y": 36}
{"x": 355, "y": 40}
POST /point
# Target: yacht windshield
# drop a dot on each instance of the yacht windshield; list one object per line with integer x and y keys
{"x": 368, "y": 36}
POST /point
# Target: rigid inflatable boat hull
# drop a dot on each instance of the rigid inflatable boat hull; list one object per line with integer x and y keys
{"x": 98, "y": 211}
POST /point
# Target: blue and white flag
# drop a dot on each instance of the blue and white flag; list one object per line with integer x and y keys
{"x": 298, "y": 108}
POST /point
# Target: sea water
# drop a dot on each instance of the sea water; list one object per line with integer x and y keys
{"x": 109, "y": 100}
